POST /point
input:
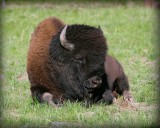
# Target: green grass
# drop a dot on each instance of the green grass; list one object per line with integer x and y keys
{"x": 130, "y": 35}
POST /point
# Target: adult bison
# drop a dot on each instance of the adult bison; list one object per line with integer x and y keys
{"x": 64, "y": 61}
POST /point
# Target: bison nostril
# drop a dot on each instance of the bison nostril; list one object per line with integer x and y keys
{"x": 94, "y": 82}
{"x": 97, "y": 81}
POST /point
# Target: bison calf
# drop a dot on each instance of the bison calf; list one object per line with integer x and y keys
{"x": 117, "y": 81}
{"x": 114, "y": 82}
{"x": 63, "y": 60}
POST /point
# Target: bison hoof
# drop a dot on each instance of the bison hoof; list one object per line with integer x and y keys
{"x": 108, "y": 97}
{"x": 127, "y": 96}
{"x": 114, "y": 100}
{"x": 48, "y": 97}
{"x": 115, "y": 95}
{"x": 108, "y": 100}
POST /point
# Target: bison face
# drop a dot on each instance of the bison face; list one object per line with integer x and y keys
{"x": 81, "y": 50}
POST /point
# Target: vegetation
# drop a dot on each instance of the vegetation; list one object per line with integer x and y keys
{"x": 129, "y": 30}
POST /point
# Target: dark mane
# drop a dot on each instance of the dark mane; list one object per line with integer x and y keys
{"x": 84, "y": 36}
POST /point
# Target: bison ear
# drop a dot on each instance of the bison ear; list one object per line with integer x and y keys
{"x": 63, "y": 40}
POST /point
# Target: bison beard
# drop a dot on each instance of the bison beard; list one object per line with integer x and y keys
{"x": 63, "y": 61}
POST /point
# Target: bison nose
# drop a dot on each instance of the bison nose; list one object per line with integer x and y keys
{"x": 96, "y": 81}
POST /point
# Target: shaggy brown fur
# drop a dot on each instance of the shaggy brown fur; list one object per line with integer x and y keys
{"x": 38, "y": 54}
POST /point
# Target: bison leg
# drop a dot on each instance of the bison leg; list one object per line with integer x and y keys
{"x": 42, "y": 95}
{"x": 123, "y": 88}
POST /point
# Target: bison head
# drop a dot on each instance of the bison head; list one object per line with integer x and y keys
{"x": 78, "y": 54}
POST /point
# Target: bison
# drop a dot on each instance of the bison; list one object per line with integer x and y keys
{"x": 114, "y": 82}
{"x": 117, "y": 81}
{"x": 64, "y": 61}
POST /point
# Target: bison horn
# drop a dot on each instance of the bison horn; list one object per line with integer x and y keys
{"x": 63, "y": 40}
